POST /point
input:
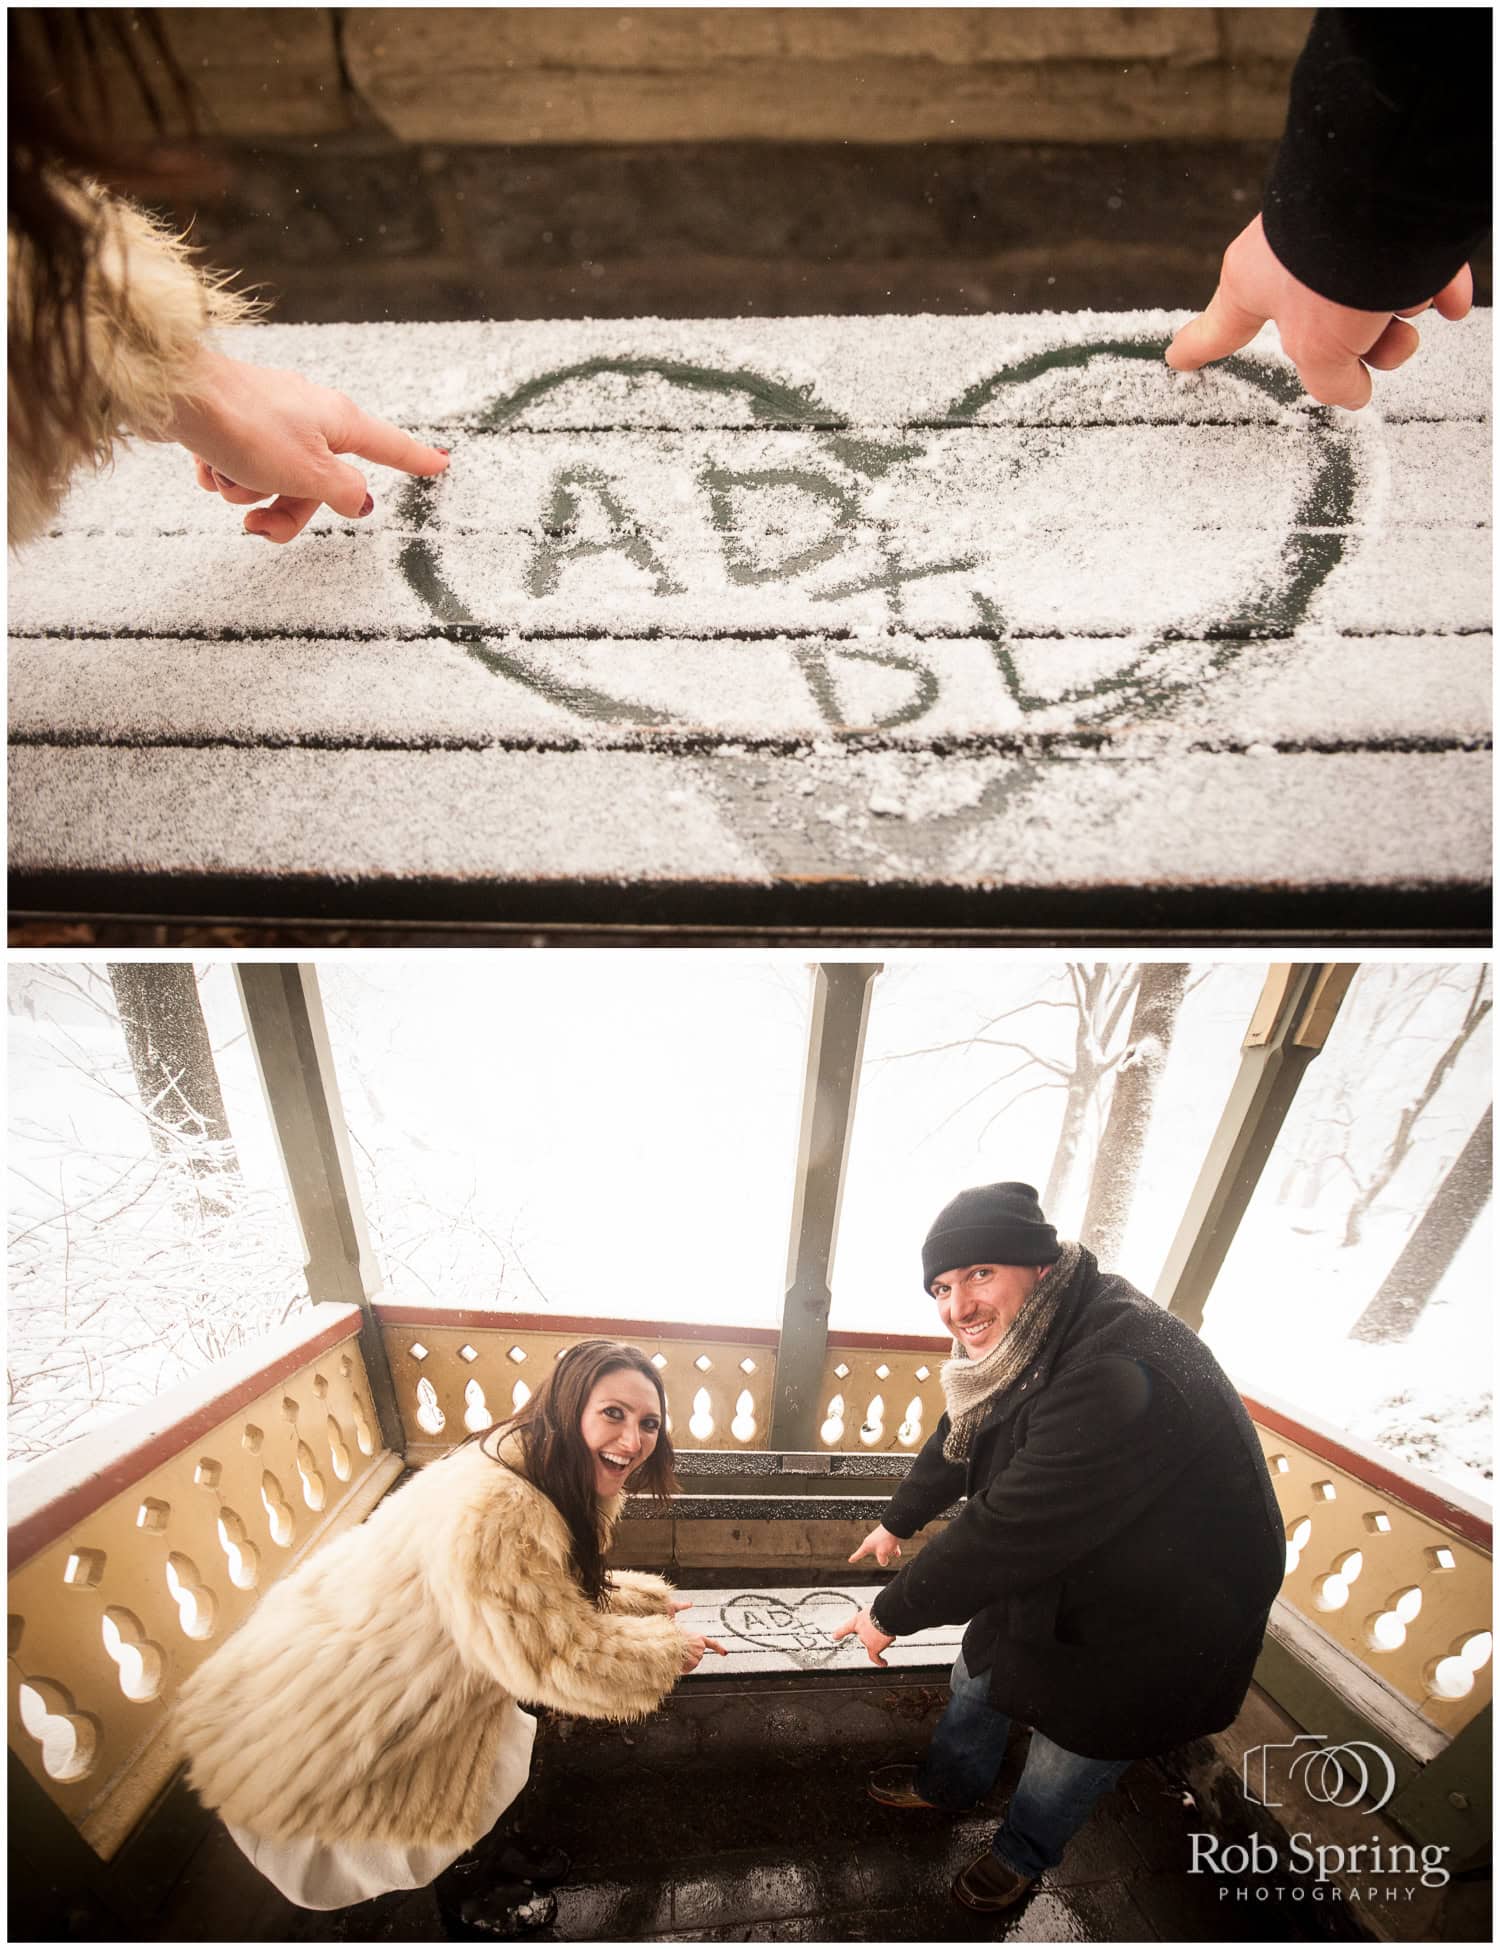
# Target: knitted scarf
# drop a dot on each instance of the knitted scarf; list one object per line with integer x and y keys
{"x": 970, "y": 1386}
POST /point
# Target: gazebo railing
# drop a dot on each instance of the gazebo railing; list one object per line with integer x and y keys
{"x": 1394, "y": 1571}
{"x": 136, "y": 1552}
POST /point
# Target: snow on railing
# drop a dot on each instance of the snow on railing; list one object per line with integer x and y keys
{"x": 459, "y": 1369}
{"x": 135, "y": 1552}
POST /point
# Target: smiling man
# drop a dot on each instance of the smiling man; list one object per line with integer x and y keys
{"x": 1118, "y": 1551}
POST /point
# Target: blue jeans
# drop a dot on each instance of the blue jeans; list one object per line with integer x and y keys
{"x": 1056, "y": 1792}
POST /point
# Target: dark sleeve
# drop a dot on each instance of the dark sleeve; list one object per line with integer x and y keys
{"x": 1102, "y": 1444}
{"x": 928, "y": 1488}
{"x": 1380, "y": 190}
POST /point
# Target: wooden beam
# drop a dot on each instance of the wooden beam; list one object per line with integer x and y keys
{"x": 835, "y": 1046}
{"x": 1289, "y": 1026}
{"x": 289, "y": 1034}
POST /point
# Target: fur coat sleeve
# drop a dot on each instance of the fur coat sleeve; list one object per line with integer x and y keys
{"x": 146, "y": 310}
{"x": 639, "y": 1594}
{"x": 367, "y": 1695}
{"x": 519, "y": 1615}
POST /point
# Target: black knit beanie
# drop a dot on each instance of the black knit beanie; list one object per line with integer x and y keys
{"x": 1001, "y": 1225}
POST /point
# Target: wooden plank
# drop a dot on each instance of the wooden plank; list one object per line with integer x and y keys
{"x": 864, "y": 75}
{"x": 415, "y": 694}
{"x": 965, "y": 607}
{"x": 400, "y": 1311}
{"x": 523, "y": 817}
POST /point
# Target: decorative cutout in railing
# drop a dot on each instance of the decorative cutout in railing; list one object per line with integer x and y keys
{"x": 458, "y": 1371}
{"x": 1395, "y": 1588}
{"x": 880, "y": 1393}
{"x": 111, "y": 1613}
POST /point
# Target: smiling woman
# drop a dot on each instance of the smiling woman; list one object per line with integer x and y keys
{"x": 481, "y": 1583}
{"x": 599, "y": 1419}
{"x": 620, "y": 1433}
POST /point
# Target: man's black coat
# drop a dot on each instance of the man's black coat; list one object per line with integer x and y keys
{"x": 1121, "y": 1544}
{"x": 1380, "y": 189}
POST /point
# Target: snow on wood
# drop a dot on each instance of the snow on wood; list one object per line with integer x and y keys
{"x": 104, "y": 1460}
{"x": 911, "y": 558}
{"x": 877, "y": 817}
{"x": 781, "y": 1628}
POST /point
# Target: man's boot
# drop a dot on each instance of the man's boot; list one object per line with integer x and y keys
{"x": 895, "y": 1787}
{"x": 988, "y": 1884}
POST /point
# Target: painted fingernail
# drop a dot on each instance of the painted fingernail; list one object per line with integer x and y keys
{"x": 369, "y": 505}
{"x": 444, "y": 451}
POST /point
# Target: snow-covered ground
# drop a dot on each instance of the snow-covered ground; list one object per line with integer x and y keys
{"x": 615, "y": 1135}
{"x": 120, "y": 1282}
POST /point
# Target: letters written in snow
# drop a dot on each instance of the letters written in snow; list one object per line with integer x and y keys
{"x": 798, "y": 1630}
{"x": 859, "y": 550}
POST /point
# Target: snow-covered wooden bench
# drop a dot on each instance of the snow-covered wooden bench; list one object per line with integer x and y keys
{"x": 773, "y": 1629}
{"x": 982, "y": 622}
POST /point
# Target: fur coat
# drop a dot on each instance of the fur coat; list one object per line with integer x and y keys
{"x": 145, "y": 315}
{"x": 365, "y": 1697}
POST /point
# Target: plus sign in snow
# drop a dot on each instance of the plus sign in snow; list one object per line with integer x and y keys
{"x": 973, "y": 608}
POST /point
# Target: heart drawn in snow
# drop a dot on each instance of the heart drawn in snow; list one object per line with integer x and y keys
{"x": 891, "y": 526}
{"x": 798, "y": 1631}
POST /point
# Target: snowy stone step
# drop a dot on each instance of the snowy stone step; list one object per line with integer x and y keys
{"x": 974, "y": 606}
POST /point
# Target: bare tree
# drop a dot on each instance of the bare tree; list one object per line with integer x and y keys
{"x": 1101, "y": 995}
{"x": 1388, "y": 1003}
{"x": 135, "y": 1257}
{"x": 1456, "y": 1205}
{"x": 1097, "y": 997}
{"x": 173, "y": 1060}
{"x": 1397, "y": 1150}
{"x": 466, "y": 1239}
{"x": 1117, "y": 1160}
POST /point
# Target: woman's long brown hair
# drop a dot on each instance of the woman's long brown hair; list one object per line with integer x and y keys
{"x": 64, "y": 64}
{"x": 557, "y": 1461}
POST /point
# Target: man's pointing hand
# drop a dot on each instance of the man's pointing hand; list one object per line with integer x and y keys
{"x": 871, "y": 1637}
{"x": 1330, "y": 345}
{"x": 884, "y": 1545}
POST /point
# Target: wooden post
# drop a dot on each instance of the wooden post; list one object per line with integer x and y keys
{"x": 1290, "y": 1025}
{"x": 835, "y": 1046}
{"x": 288, "y": 1032}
